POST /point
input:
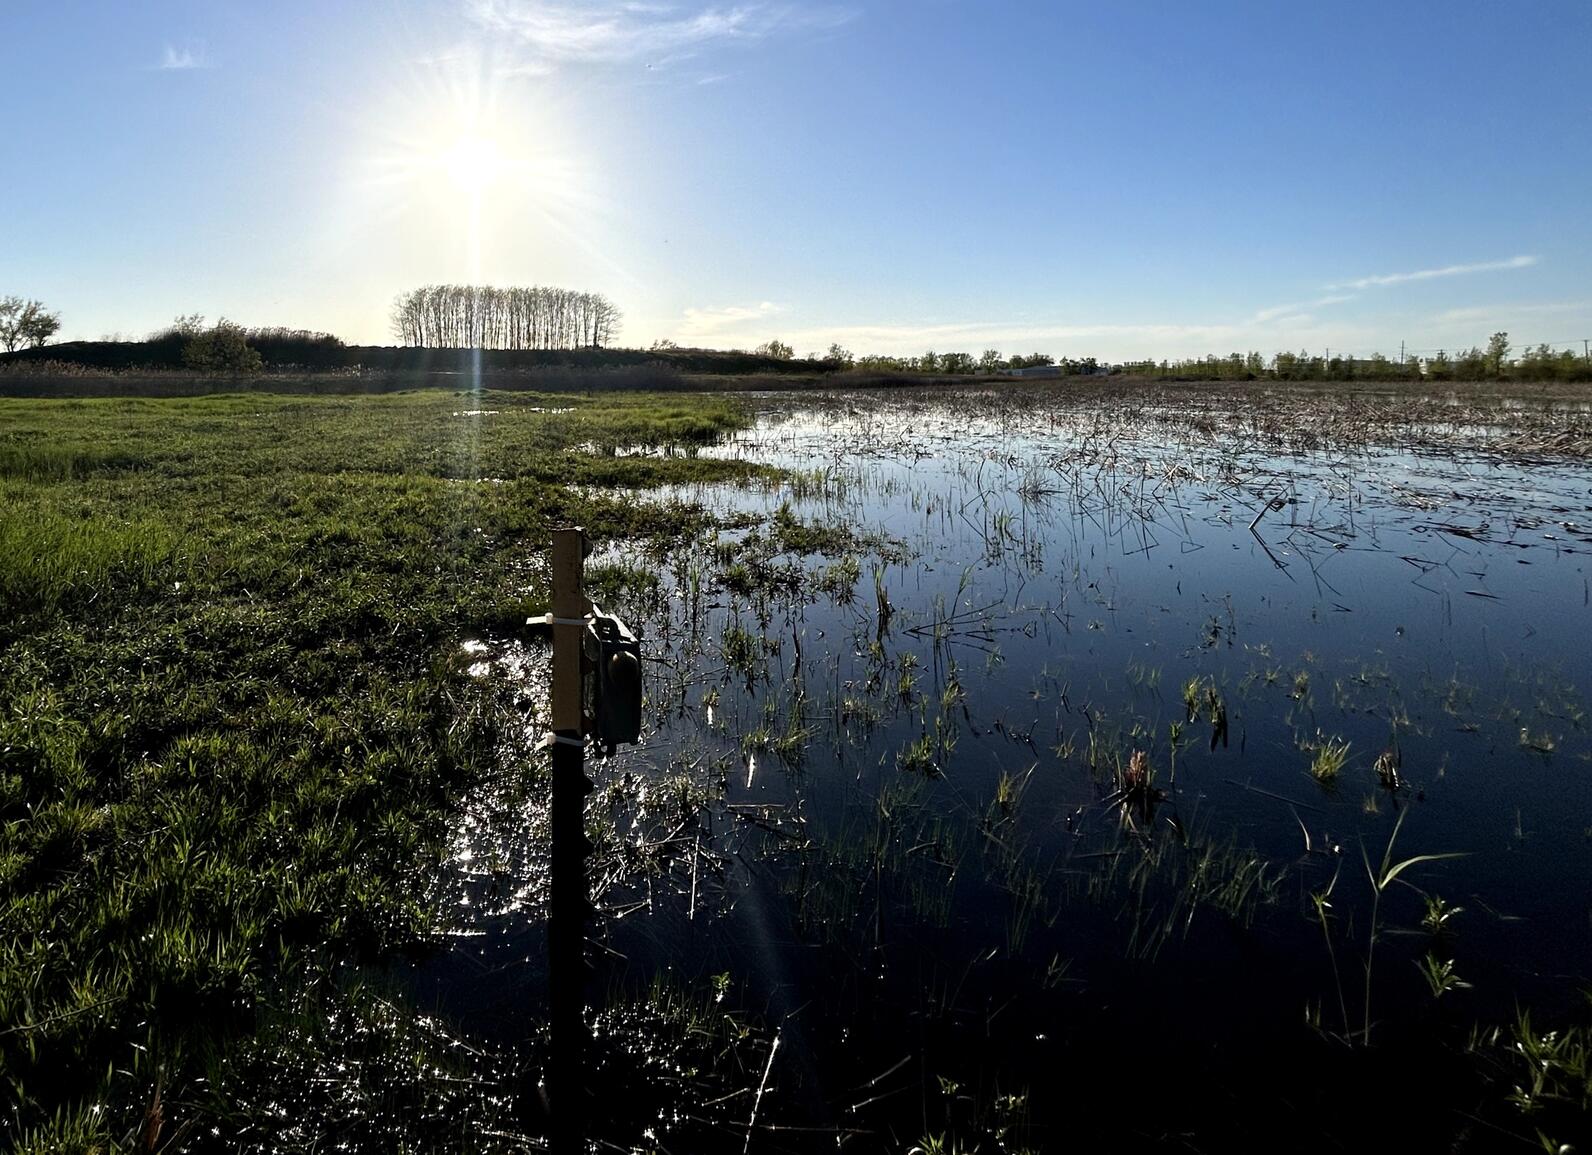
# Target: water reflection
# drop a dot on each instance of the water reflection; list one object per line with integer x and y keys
{"x": 996, "y": 730}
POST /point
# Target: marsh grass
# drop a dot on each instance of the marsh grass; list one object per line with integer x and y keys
{"x": 235, "y": 724}
{"x": 1544, "y": 1074}
{"x": 1327, "y": 763}
{"x": 50, "y": 555}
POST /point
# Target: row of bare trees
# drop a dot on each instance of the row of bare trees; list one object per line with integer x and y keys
{"x": 486, "y": 317}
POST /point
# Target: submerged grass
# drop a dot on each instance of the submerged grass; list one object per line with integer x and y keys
{"x": 234, "y": 723}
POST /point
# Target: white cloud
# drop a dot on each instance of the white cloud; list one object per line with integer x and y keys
{"x": 613, "y": 33}
{"x": 1522, "y": 262}
{"x": 713, "y": 322}
{"x": 745, "y": 326}
{"x": 1279, "y": 312}
{"x": 1488, "y": 313}
{"x": 183, "y": 59}
{"x": 1289, "y": 326}
{"x": 916, "y": 338}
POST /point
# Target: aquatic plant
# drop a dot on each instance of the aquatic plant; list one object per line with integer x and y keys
{"x": 1381, "y": 877}
{"x": 1137, "y": 793}
{"x": 1386, "y": 768}
{"x": 917, "y": 757}
{"x": 1327, "y": 764}
{"x": 1438, "y": 914}
{"x": 1439, "y": 975}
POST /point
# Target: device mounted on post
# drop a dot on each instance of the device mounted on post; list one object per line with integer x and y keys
{"x": 611, "y": 681}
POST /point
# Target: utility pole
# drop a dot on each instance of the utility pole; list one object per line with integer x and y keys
{"x": 1401, "y": 352}
{"x": 570, "y": 900}
{"x": 1586, "y": 351}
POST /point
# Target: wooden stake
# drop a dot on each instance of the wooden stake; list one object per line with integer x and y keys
{"x": 570, "y": 899}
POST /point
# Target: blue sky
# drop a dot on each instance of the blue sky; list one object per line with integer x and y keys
{"x": 1113, "y": 179}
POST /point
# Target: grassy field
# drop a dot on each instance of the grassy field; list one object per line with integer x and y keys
{"x": 234, "y": 724}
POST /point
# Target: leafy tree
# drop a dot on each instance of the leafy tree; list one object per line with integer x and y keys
{"x": 10, "y": 312}
{"x": 991, "y": 361}
{"x": 840, "y": 356}
{"x": 26, "y": 323}
{"x": 1471, "y": 365}
{"x": 929, "y": 362}
{"x": 776, "y": 349}
{"x": 1543, "y": 364}
{"x": 1497, "y": 353}
{"x": 222, "y": 349}
{"x": 956, "y": 363}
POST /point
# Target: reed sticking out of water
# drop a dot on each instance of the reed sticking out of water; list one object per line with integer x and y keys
{"x": 1382, "y": 877}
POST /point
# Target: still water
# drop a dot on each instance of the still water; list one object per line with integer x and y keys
{"x": 1050, "y": 808}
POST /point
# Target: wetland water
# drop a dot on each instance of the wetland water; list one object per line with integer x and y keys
{"x": 1025, "y": 767}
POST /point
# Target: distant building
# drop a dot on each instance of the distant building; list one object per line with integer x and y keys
{"x": 1037, "y": 371}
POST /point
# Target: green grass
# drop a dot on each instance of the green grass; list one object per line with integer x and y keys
{"x": 1329, "y": 759}
{"x": 233, "y": 724}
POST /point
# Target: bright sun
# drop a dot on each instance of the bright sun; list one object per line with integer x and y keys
{"x": 473, "y": 163}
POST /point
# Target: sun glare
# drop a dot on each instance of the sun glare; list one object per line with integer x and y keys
{"x": 472, "y": 163}
{"x": 469, "y": 160}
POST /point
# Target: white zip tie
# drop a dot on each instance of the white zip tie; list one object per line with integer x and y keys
{"x": 552, "y": 621}
{"x": 549, "y": 740}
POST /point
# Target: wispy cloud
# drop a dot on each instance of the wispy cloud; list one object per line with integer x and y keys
{"x": 699, "y": 323}
{"x": 185, "y": 58}
{"x": 1006, "y": 334}
{"x": 748, "y": 325}
{"x": 613, "y": 33}
{"x": 1522, "y": 262}
{"x": 1299, "y": 309}
{"x": 1494, "y": 313}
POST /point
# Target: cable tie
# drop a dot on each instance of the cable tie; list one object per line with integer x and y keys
{"x": 552, "y": 621}
{"x": 549, "y": 740}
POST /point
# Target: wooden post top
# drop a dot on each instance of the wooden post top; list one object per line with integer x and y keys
{"x": 569, "y": 605}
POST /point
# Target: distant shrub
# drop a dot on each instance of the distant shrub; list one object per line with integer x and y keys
{"x": 282, "y": 348}
{"x": 222, "y": 349}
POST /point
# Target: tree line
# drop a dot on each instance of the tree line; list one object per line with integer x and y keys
{"x": 943, "y": 364}
{"x": 486, "y": 317}
{"x": 1496, "y": 361}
